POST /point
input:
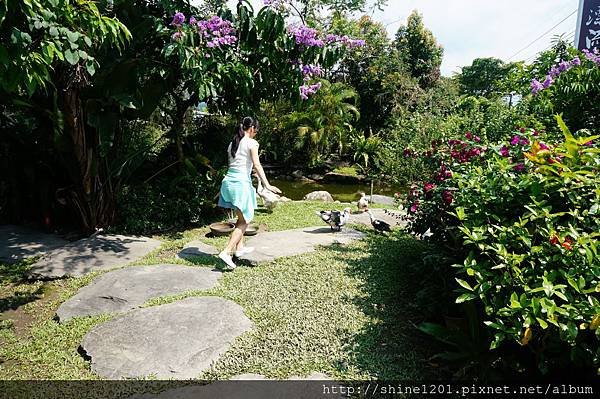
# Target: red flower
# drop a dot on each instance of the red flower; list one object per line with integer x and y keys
{"x": 554, "y": 239}
{"x": 447, "y": 197}
{"x": 414, "y": 207}
{"x": 568, "y": 243}
{"x": 519, "y": 167}
{"x": 522, "y": 130}
{"x": 469, "y": 135}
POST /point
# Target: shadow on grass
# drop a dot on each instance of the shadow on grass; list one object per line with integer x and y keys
{"x": 392, "y": 347}
{"x": 212, "y": 261}
{"x": 15, "y": 272}
{"x": 20, "y": 298}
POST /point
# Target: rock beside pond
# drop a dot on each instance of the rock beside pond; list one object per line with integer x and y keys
{"x": 315, "y": 177}
{"x": 319, "y": 196}
{"x": 333, "y": 177}
{"x": 381, "y": 200}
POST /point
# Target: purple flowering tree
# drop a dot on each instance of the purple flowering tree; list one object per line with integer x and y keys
{"x": 235, "y": 63}
{"x": 564, "y": 81}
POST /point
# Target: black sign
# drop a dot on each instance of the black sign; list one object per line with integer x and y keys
{"x": 588, "y": 25}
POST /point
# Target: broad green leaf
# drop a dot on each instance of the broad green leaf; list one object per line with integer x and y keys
{"x": 466, "y": 297}
{"x": 71, "y": 57}
{"x": 464, "y": 284}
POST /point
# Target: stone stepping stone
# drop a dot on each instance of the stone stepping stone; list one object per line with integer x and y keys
{"x": 175, "y": 341}
{"x": 18, "y": 243}
{"x": 276, "y": 244}
{"x": 125, "y": 289}
{"x": 100, "y": 252}
{"x": 256, "y": 386}
{"x": 196, "y": 249}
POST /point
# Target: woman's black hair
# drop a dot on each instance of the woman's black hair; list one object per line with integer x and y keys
{"x": 246, "y": 124}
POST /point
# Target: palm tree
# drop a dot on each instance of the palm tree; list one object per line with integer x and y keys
{"x": 326, "y": 120}
{"x": 366, "y": 148}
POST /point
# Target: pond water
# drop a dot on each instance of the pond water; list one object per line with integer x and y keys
{"x": 296, "y": 190}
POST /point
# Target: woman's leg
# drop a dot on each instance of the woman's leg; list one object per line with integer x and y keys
{"x": 238, "y": 234}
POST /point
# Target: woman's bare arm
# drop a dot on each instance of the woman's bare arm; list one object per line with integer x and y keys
{"x": 260, "y": 171}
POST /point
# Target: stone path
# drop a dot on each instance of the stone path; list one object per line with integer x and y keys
{"x": 178, "y": 340}
{"x": 91, "y": 254}
{"x": 18, "y": 243}
{"x": 125, "y": 289}
{"x": 196, "y": 249}
{"x": 276, "y": 244}
{"x": 175, "y": 341}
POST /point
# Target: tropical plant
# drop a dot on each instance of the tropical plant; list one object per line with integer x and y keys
{"x": 527, "y": 217}
{"x": 320, "y": 125}
{"x": 366, "y": 149}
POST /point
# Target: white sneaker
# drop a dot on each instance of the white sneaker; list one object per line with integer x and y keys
{"x": 225, "y": 257}
{"x": 244, "y": 251}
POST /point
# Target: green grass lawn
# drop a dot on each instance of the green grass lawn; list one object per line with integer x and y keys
{"x": 341, "y": 310}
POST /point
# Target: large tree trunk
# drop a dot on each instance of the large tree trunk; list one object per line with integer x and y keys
{"x": 93, "y": 194}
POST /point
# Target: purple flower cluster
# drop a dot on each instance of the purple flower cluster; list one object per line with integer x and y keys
{"x": 308, "y": 90}
{"x": 594, "y": 57}
{"x": 345, "y": 41}
{"x": 178, "y": 19}
{"x": 306, "y": 36}
{"x": 309, "y": 37}
{"x": 310, "y": 71}
{"x": 553, "y": 73}
{"x": 177, "y": 35}
{"x": 216, "y": 31}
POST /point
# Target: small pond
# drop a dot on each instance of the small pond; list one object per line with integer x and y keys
{"x": 296, "y": 190}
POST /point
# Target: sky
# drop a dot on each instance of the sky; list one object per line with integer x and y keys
{"x": 468, "y": 29}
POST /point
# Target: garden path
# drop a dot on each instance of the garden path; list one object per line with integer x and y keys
{"x": 178, "y": 340}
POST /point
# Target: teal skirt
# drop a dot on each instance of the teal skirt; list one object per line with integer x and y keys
{"x": 237, "y": 192}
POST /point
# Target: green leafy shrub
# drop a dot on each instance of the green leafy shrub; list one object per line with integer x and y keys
{"x": 530, "y": 225}
{"x": 166, "y": 204}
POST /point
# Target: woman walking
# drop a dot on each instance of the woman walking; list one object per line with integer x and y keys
{"x": 237, "y": 191}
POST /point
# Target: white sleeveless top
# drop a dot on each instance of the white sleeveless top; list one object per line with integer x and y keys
{"x": 242, "y": 162}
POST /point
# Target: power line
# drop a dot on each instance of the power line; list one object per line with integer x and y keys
{"x": 569, "y": 36}
{"x": 541, "y": 36}
{"x": 395, "y": 21}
